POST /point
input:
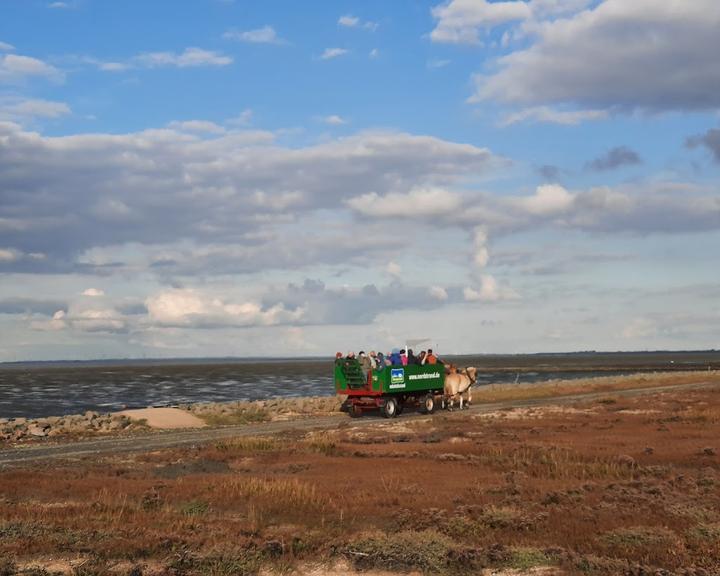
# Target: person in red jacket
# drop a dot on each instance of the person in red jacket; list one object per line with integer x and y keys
{"x": 430, "y": 358}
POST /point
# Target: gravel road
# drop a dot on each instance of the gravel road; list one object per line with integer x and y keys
{"x": 35, "y": 453}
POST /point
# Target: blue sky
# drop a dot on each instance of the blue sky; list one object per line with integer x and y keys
{"x": 221, "y": 177}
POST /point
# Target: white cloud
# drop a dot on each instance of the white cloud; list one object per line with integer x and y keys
{"x": 459, "y": 21}
{"x": 438, "y": 293}
{"x": 645, "y": 55}
{"x": 350, "y": 21}
{"x": 415, "y": 203}
{"x": 481, "y": 256}
{"x": 59, "y": 5}
{"x": 56, "y": 323}
{"x": 545, "y": 114}
{"x": 331, "y": 53}
{"x": 93, "y": 292}
{"x": 104, "y": 320}
{"x": 190, "y": 57}
{"x": 8, "y": 255}
{"x": 656, "y": 207}
{"x": 394, "y": 269}
{"x": 334, "y": 120}
{"x": 33, "y": 109}
{"x": 435, "y": 63}
{"x": 198, "y": 126}
{"x": 489, "y": 291}
{"x": 5, "y": 47}
{"x": 113, "y": 66}
{"x": 548, "y": 8}
{"x": 243, "y": 119}
{"x": 14, "y": 67}
{"x": 264, "y": 35}
{"x": 374, "y": 53}
{"x": 188, "y": 308}
{"x": 12, "y": 255}
{"x": 548, "y": 199}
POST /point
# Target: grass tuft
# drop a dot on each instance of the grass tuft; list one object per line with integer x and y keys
{"x": 235, "y": 417}
{"x": 194, "y": 508}
{"x": 527, "y": 558}
{"x": 427, "y": 551}
{"x": 7, "y": 567}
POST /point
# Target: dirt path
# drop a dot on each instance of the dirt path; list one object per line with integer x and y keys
{"x": 158, "y": 440}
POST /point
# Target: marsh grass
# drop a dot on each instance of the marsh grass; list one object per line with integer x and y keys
{"x": 705, "y": 532}
{"x": 273, "y": 493}
{"x": 93, "y": 566}
{"x": 194, "y": 508}
{"x": 608, "y": 384}
{"x": 427, "y": 551}
{"x": 642, "y": 543}
{"x": 324, "y": 447}
{"x": 238, "y": 564}
{"x": 244, "y": 444}
{"x": 555, "y": 463}
{"x": 527, "y": 558}
{"x": 236, "y": 417}
{"x": 7, "y": 567}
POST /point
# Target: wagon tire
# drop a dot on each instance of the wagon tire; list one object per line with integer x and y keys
{"x": 428, "y": 405}
{"x": 390, "y": 408}
{"x": 355, "y": 411}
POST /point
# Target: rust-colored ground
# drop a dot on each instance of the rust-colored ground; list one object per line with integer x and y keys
{"x": 613, "y": 486}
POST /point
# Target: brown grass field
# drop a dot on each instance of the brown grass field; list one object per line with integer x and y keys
{"x": 616, "y": 485}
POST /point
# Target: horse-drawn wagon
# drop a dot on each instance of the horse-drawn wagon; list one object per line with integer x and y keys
{"x": 391, "y": 388}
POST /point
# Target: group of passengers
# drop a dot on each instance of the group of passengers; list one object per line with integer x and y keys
{"x": 398, "y": 357}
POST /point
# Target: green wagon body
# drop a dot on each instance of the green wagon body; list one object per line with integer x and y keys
{"x": 400, "y": 384}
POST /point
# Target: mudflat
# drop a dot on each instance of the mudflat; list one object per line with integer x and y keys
{"x": 609, "y": 484}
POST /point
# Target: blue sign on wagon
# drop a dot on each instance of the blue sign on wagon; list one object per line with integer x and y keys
{"x": 397, "y": 378}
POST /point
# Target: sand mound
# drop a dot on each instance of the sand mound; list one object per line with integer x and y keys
{"x": 166, "y": 418}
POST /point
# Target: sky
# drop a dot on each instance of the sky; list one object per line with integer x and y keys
{"x": 279, "y": 178}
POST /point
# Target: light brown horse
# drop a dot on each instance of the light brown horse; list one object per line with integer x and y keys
{"x": 457, "y": 384}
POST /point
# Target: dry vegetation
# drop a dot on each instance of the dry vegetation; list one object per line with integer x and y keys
{"x": 612, "y": 486}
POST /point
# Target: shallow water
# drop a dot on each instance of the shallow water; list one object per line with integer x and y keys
{"x": 43, "y": 389}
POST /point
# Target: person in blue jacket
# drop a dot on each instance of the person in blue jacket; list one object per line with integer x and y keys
{"x": 395, "y": 359}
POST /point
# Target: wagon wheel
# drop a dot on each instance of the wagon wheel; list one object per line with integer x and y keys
{"x": 428, "y": 406}
{"x": 355, "y": 411}
{"x": 390, "y": 408}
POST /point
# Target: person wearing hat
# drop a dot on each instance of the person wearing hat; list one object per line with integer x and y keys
{"x": 365, "y": 362}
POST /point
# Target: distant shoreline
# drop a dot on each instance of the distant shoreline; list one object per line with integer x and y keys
{"x": 181, "y": 361}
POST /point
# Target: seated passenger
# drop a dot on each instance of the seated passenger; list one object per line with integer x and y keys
{"x": 403, "y": 358}
{"x": 380, "y": 361}
{"x": 364, "y": 362}
{"x": 430, "y": 358}
{"x": 395, "y": 359}
{"x": 412, "y": 359}
{"x": 422, "y": 357}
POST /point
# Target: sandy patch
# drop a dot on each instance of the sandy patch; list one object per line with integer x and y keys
{"x": 165, "y": 418}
